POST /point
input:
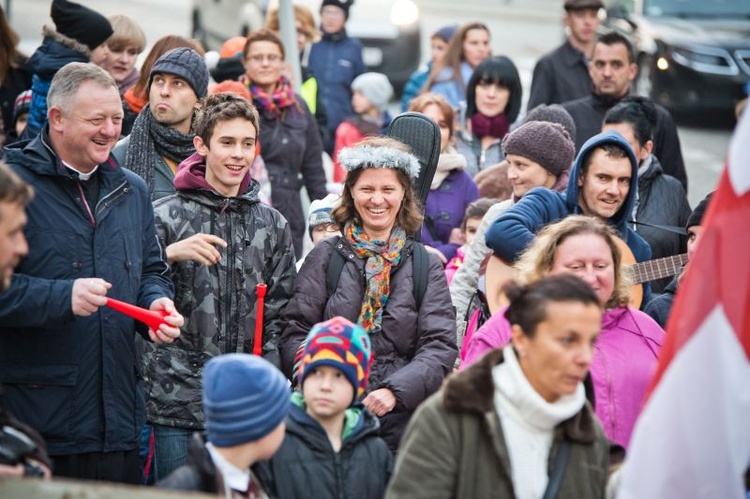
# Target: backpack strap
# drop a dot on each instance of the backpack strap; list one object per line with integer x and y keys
{"x": 333, "y": 272}
{"x": 421, "y": 271}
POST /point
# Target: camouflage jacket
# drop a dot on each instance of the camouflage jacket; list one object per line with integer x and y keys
{"x": 217, "y": 301}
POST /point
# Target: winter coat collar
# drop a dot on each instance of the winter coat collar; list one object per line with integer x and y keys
{"x": 41, "y": 158}
{"x": 339, "y": 36}
{"x": 654, "y": 170}
{"x": 56, "y": 51}
{"x": 358, "y": 424}
{"x": 619, "y": 220}
{"x": 472, "y": 390}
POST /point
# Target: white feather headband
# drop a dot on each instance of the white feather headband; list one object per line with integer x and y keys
{"x": 366, "y": 156}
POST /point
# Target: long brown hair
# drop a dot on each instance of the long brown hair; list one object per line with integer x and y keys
{"x": 454, "y": 55}
{"x": 9, "y": 56}
{"x": 538, "y": 259}
{"x": 409, "y": 216}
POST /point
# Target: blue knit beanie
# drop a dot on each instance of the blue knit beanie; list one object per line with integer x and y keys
{"x": 185, "y": 63}
{"x": 244, "y": 399}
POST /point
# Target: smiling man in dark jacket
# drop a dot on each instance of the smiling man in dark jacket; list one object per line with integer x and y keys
{"x": 68, "y": 365}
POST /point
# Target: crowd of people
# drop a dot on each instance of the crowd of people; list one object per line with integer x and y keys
{"x": 495, "y": 339}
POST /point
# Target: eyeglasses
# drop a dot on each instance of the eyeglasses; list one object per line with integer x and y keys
{"x": 258, "y": 59}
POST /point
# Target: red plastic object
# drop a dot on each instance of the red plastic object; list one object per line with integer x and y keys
{"x": 260, "y": 291}
{"x": 153, "y": 319}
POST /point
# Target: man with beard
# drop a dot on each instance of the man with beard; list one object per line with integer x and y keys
{"x": 612, "y": 69}
{"x": 67, "y": 363}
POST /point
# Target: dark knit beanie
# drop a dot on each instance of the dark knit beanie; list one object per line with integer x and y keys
{"x": 80, "y": 23}
{"x": 553, "y": 113}
{"x": 185, "y": 63}
{"x": 696, "y": 217}
{"x": 341, "y": 344}
{"x": 341, "y": 4}
{"x": 542, "y": 142}
{"x": 244, "y": 399}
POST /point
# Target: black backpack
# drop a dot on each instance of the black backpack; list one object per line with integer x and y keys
{"x": 420, "y": 265}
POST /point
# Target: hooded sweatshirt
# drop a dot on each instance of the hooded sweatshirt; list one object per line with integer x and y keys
{"x": 514, "y": 230}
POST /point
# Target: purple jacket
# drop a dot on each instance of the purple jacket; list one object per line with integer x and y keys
{"x": 621, "y": 370}
{"x": 444, "y": 210}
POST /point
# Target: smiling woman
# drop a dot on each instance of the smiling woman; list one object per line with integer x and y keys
{"x": 627, "y": 350}
{"x": 413, "y": 340}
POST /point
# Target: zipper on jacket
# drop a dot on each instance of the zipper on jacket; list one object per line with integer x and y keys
{"x": 337, "y": 472}
{"x": 230, "y": 325}
{"x": 110, "y": 198}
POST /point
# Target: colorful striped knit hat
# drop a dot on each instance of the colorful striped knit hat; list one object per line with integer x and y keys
{"x": 341, "y": 344}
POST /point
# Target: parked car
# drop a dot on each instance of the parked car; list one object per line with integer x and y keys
{"x": 691, "y": 54}
{"x": 388, "y": 29}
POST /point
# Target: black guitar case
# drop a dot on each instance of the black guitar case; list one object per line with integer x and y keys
{"x": 422, "y": 135}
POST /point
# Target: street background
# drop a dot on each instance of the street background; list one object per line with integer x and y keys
{"x": 521, "y": 29}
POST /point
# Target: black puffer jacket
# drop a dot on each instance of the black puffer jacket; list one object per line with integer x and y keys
{"x": 415, "y": 350}
{"x": 661, "y": 201}
{"x": 306, "y": 466}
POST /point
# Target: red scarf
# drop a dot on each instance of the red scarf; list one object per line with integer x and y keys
{"x": 281, "y": 99}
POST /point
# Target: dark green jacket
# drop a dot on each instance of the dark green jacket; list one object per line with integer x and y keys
{"x": 454, "y": 445}
{"x": 217, "y": 301}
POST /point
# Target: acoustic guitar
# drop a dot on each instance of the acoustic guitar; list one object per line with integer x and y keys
{"x": 498, "y": 272}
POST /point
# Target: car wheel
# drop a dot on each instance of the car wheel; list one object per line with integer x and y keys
{"x": 644, "y": 81}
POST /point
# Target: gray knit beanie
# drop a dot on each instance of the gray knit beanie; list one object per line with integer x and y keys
{"x": 185, "y": 63}
{"x": 376, "y": 87}
{"x": 542, "y": 142}
{"x": 553, "y": 113}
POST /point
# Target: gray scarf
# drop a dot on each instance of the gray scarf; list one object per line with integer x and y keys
{"x": 147, "y": 136}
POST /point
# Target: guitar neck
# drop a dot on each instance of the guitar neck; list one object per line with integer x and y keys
{"x": 656, "y": 269}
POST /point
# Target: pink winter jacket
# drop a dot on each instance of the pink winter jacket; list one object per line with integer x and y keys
{"x": 621, "y": 369}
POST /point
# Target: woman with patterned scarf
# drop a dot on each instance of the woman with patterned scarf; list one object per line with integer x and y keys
{"x": 413, "y": 347}
{"x": 289, "y": 137}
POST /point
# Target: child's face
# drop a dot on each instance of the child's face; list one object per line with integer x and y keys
{"x": 321, "y": 232}
{"x": 327, "y": 392}
{"x": 229, "y": 155}
{"x": 21, "y": 123}
{"x": 360, "y": 103}
{"x": 470, "y": 231}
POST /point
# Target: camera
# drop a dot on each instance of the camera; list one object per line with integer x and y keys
{"x": 15, "y": 448}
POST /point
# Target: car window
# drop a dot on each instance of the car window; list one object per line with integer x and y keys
{"x": 697, "y": 8}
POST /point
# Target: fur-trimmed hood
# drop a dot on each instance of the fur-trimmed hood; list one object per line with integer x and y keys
{"x": 56, "y": 51}
{"x": 472, "y": 390}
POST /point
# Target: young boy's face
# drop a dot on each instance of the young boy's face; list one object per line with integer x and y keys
{"x": 470, "y": 231}
{"x": 321, "y": 232}
{"x": 327, "y": 392}
{"x": 229, "y": 155}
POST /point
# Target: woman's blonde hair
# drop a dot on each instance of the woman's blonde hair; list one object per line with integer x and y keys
{"x": 538, "y": 259}
{"x": 409, "y": 215}
{"x": 301, "y": 14}
{"x": 420, "y": 102}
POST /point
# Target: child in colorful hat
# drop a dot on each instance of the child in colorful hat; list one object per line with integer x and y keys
{"x": 331, "y": 448}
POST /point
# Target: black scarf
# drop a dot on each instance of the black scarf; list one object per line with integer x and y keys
{"x": 147, "y": 136}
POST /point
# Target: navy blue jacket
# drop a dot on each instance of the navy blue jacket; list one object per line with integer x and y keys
{"x": 514, "y": 230}
{"x": 307, "y": 466}
{"x": 335, "y": 61}
{"x": 74, "y": 379}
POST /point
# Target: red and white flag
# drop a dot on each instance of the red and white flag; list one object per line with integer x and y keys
{"x": 692, "y": 439}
